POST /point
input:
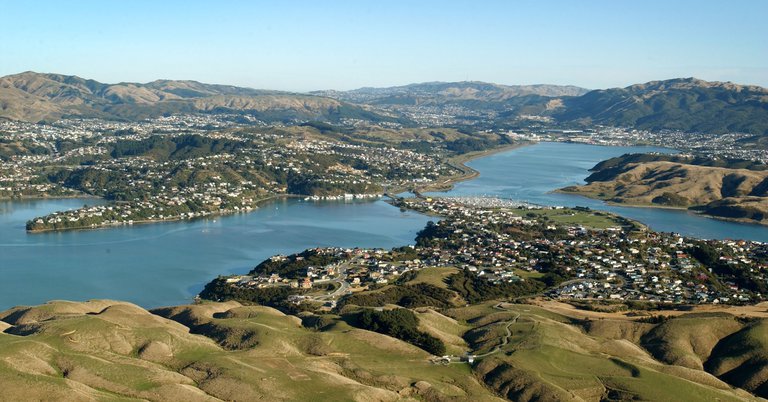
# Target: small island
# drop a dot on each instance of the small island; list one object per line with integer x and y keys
{"x": 729, "y": 189}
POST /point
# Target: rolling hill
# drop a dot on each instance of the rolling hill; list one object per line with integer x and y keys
{"x": 439, "y": 93}
{"x": 686, "y": 104}
{"x": 109, "y": 350}
{"x": 34, "y": 97}
{"x": 721, "y": 188}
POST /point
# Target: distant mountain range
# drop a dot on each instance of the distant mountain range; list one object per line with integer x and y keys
{"x": 33, "y": 97}
{"x": 686, "y": 104}
{"x": 437, "y": 93}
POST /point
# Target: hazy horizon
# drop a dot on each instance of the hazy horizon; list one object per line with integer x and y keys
{"x": 303, "y": 46}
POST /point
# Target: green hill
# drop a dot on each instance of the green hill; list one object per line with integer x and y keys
{"x": 686, "y": 104}
{"x": 107, "y": 350}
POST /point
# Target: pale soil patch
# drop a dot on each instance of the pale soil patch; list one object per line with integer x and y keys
{"x": 249, "y": 366}
{"x": 30, "y": 363}
{"x": 156, "y": 351}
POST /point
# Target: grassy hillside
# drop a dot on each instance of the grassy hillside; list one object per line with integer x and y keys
{"x": 685, "y": 104}
{"x": 552, "y": 357}
{"x": 110, "y": 350}
{"x": 34, "y": 97}
{"x": 722, "y": 188}
{"x": 117, "y": 351}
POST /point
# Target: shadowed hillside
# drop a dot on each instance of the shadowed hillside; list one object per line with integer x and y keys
{"x": 109, "y": 350}
{"x": 686, "y": 104}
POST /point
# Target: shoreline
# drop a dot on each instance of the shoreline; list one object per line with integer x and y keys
{"x": 50, "y": 197}
{"x": 467, "y": 173}
{"x": 446, "y": 183}
{"x": 258, "y": 203}
{"x": 664, "y": 207}
{"x": 146, "y": 222}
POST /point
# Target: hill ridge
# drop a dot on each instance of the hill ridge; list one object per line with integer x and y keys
{"x": 31, "y": 96}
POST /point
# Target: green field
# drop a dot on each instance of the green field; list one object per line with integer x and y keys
{"x": 434, "y": 276}
{"x": 567, "y": 216}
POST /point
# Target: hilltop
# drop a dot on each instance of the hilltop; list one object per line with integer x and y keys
{"x": 686, "y": 104}
{"x": 31, "y": 96}
{"x": 680, "y": 104}
{"x": 721, "y": 188}
{"x": 110, "y": 350}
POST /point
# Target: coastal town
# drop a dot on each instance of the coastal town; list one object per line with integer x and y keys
{"x": 177, "y": 168}
{"x": 728, "y": 145}
{"x": 574, "y": 254}
{"x": 483, "y": 201}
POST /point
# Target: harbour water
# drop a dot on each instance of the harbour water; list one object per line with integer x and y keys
{"x": 168, "y": 263}
{"x": 532, "y": 173}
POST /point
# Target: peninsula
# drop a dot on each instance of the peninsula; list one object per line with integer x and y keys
{"x": 721, "y": 188}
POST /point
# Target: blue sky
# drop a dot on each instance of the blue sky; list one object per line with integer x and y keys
{"x": 308, "y": 45}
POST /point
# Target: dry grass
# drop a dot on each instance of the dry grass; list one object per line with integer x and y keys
{"x": 690, "y": 185}
{"x": 105, "y": 350}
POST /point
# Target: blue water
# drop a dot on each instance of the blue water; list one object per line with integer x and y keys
{"x": 168, "y": 263}
{"x": 531, "y": 173}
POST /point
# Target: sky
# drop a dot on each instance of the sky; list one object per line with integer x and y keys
{"x": 326, "y": 44}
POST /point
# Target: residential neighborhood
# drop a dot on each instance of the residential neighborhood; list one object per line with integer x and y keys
{"x": 173, "y": 168}
{"x": 505, "y": 242}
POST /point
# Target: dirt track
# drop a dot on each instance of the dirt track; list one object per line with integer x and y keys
{"x": 758, "y": 310}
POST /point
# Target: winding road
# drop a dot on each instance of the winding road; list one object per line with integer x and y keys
{"x": 504, "y": 341}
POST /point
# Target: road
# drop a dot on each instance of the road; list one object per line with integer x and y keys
{"x": 342, "y": 290}
{"x": 504, "y": 341}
